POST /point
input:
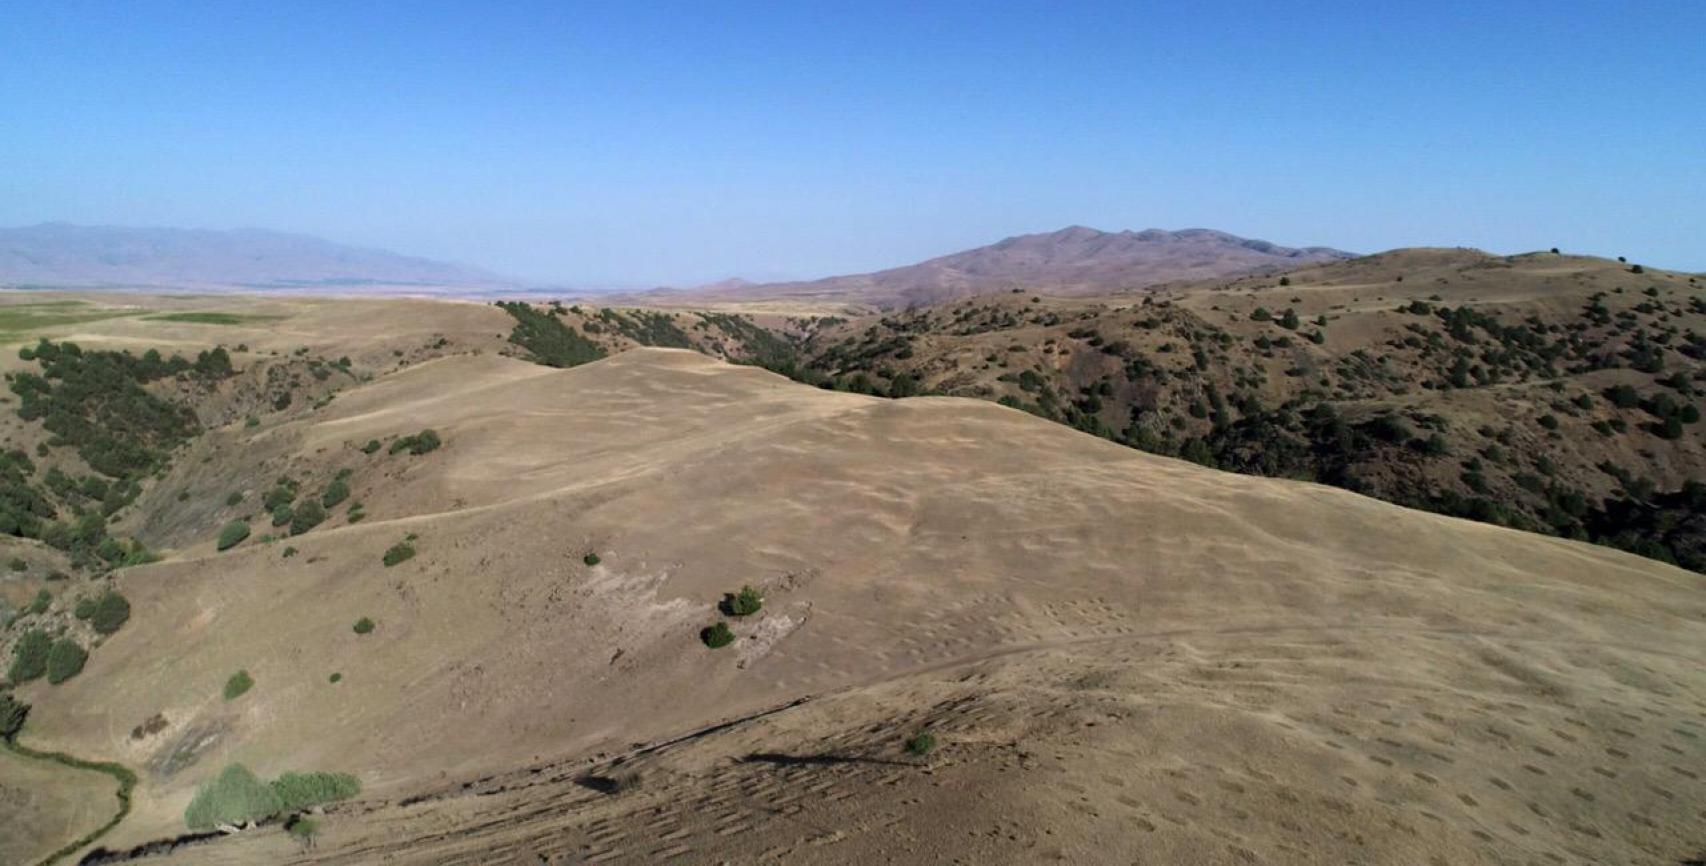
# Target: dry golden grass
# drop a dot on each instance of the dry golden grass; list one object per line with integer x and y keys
{"x": 1125, "y": 658}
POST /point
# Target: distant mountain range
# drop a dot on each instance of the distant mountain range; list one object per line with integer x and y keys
{"x": 1073, "y": 261}
{"x": 58, "y": 254}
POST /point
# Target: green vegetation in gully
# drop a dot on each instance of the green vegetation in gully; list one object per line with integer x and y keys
{"x": 122, "y": 774}
{"x": 95, "y": 402}
{"x": 237, "y": 796}
{"x": 547, "y": 339}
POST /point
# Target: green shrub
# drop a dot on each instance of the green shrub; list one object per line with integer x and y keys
{"x": 336, "y": 492}
{"x": 84, "y": 608}
{"x": 306, "y": 516}
{"x": 283, "y": 493}
{"x": 233, "y": 534}
{"x": 239, "y": 683}
{"x": 399, "y": 552}
{"x": 112, "y": 611}
{"x": 234, "y": 500}
{"x": 302, "y": 828}
{"x": 289, "y": 552}
{"x": 236, "y": 796}
{"x": 363, "y": 625}
{"x": 425, "y": 441}
{"x": 371, "y": 446}
{"x": 12, "y": 715}
{"x": 1623, "y": 396}
{"x": 281, "y": 515}
{"x": 29, "y": 656}
{"x": 717, "y": 636}
{"x": 301, "y": 790}
{"x": 921, "y": 743}
{"x": 356, "y": 513}
{"x": 336, "y": 678}
{"x": 65, "y": 660}
{"x": 18, "y": 564}
{"x": 744, "y": 603}
{"x": 591, "y": 559}
{"x": 41, "y": 603}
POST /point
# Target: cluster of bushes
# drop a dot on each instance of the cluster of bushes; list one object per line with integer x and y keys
{"x": 417, "y": 444}
{"x": 37, "y": 654}
{"x": 736, "y": 604}
{"x": 759, "y": 345}
{"x": 94, "y": 401}
{"x": 306, "y": 516}
{"x": 280, "y": 502}
{"x": 23, "y": 508}
{"x": 236, "y": 796}
{"x": 26, "y": 512}
{"x": 547, "y": 339}
{"x": 646, "y": 327}
{"x": 106, "y": 614}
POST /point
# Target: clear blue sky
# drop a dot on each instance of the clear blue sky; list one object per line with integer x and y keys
{"x": 641, "y": 143}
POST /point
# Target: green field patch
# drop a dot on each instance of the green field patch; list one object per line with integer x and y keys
{"x": 19, "y": 319}
{"x": 213, "y": 318}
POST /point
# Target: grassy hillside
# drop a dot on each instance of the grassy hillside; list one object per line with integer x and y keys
{"x": 473, "y": 593}
{"x": 1550, "y": 393}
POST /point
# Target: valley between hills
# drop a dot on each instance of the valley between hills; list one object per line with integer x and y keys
{"x": 1391, "y": 559}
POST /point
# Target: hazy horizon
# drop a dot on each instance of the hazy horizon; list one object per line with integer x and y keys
{"x": 681, "y": 145}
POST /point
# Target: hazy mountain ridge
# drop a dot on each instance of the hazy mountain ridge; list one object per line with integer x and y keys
{"x": 60, "y": 254}
{"x": 1076, "y": 260}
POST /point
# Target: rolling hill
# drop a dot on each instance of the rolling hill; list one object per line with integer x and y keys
{"x": 1116, "y": 655}
{"x": 1548, "y": 392}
